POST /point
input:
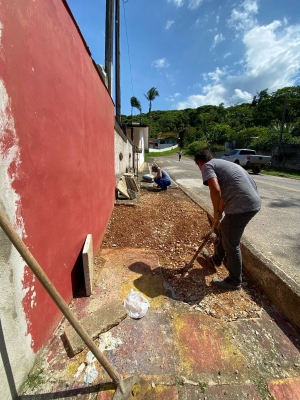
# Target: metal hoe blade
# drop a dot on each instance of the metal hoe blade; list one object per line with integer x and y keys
{"x": 134, "y": 389}
{"x": 186, "y": 268}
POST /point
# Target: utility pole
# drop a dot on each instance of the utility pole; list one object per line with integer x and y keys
{"x": 109, "y": 35}
{"x": 282, "y": 121}
{"x": 117, "y": 57}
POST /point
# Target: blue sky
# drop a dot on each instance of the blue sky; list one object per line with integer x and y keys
{"x": 198, "y": 52}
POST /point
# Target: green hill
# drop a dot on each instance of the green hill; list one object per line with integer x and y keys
{"x": 259, "y": 125}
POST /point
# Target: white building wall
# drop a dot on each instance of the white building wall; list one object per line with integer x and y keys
{"x": 123, "y": 153}
{"x": 140, "y": 141}
{"x": 17, "y": 357}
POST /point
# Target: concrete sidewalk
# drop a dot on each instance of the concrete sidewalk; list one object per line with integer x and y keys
{"x": 183, "y": 353}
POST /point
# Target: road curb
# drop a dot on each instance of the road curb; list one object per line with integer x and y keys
{"x": 279, "y": 287}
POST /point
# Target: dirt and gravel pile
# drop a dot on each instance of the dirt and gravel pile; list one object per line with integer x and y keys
{"x": 173, "y": 226}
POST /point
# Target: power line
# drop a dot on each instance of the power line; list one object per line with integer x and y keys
{"x": 124, "y": 2}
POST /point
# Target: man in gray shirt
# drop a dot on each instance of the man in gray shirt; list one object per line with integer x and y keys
{"x": 233, "y": 192}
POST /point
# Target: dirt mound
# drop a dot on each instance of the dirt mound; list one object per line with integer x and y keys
{"x": 173, "y": 226}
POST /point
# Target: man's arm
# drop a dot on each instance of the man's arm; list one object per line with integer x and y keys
{"x": 215, "y": 195}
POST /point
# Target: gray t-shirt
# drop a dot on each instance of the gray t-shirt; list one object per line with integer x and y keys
{"x": 238, "y": 190}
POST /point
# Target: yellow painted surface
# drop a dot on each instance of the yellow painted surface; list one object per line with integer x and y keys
{"x": 205, "y": 346}
{"x": 151, "y": 287}
{"x": 72, "y": 368}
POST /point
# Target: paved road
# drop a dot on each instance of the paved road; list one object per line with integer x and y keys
{"x": 275, "y": 231}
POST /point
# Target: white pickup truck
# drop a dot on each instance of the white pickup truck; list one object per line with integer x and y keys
{"x": 248, "y": 159}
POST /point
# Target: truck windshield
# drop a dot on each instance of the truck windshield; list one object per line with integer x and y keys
{"x": 232, "y": 152}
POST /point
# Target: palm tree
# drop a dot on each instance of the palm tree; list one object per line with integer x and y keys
{"x": 150, "y": 96}
{"x": 135, "y": 103}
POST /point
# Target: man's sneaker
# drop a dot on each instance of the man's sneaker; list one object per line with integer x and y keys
{"x": 208, "y": 257}
{"x": 226, "y": 284}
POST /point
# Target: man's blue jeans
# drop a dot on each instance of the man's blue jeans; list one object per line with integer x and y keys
{"x": 231, "y": 230}
{"x": 163, "y": 183}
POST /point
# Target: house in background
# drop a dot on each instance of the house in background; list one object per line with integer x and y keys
{"x": 168, "y": 137}
{"x": 166, "y": 140}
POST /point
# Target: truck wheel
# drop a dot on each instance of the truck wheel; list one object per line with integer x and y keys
{"x": 256, "y": 171}
{"x": 237, "y": 162}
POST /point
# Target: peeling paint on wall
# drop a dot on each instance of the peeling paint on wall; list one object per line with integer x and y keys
{"x": 13, "y": 318}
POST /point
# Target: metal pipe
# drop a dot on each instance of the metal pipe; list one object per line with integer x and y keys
{"x": 109, "y": 34}
{"x": 117, "y": 57}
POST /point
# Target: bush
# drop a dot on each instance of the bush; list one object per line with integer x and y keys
{"x": 197, "y": 146}
{"x": 216, "y": 148}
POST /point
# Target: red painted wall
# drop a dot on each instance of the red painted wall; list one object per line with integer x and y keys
{"x": 64, "y": 121}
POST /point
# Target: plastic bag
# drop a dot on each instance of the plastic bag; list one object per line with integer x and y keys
{"x": 147, "y": 178}
{"x": 79, "y": 370}
{"x": 90, "y": 373}
{"x": 90, "y": 358}
{"x": 136, "y": 304}
{"x": 107, "y": 342}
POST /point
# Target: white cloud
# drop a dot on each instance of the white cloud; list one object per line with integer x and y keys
{"x": 173, "y": 97}
{"x": 160, "y": 63}
{"x": 242, "y": 18}
{"x": 214, "y": 95}
{"x": 193, "y": 4}
{"x": 240, "y": 95}
{"x": 226, "y": 55}
{"x": 216, "y": 75}
{"x": 273, "y": 53}
{"x": 272, "y": 60}
{"x": 217, "y": 19}
{"x": 202, "y": 21}
{"x": 217, "y": 39}
{"x": 169, "y": 24}
{"x": 178, "y": 3}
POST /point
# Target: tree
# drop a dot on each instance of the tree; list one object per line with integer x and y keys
{"x": 220, "y": 133}
{"x": 263, "y": 94}
{"x": 136, "y": 104}
{"x": 150, "y": 96}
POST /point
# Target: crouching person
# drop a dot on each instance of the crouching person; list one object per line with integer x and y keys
{"x": 162, "y": 178}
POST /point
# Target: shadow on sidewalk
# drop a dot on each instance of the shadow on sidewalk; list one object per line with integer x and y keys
{"x": 190, "y": 288}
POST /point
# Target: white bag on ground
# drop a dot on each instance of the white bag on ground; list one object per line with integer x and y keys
{"x": 91, "y": 372}
{"x": 107, "y": 342}
{"x": 136, "y": 304}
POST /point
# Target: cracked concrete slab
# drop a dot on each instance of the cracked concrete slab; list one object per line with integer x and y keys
{"x": 96, "y": 323}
